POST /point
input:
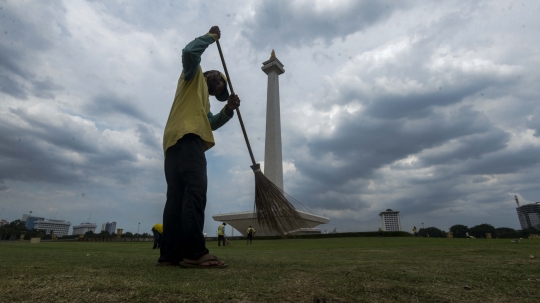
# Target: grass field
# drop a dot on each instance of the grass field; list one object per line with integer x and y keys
{"x": 295, "y": 270}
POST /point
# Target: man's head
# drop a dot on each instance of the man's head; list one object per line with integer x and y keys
{"x": 224, "y": 223}
{"x": 217, "y": 85}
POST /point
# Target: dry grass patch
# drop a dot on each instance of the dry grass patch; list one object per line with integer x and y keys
{"x": 297, "y": 270}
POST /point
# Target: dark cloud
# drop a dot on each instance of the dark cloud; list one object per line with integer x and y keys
{"x": 62, "y": 134}
{"x": 534, "y": 123}
{"x": 111, "y": 105}
{"x": 418, "y": 105}
{"x": 505, "y": 162}
{"x": 295, "y": 23}
{"x": 12, "y": 87}
{"x": 360, "y": 144}
{"x": 44, "y": 88}
{"x": 39, "y": 148}
{"x": 10, "y": 61}
{"x": 17, "y": 46}
{"x": 468, "y": 147}
{"x": 147, "y": 136}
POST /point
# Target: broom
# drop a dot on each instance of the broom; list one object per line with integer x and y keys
{"x": 274, "y": 211}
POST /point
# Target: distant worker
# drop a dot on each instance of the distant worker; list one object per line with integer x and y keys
{"x": 415, "y": 232}
{"x": 157, "y": 229}
{"x": 221, "y": 234}
{"x": 250, "y": 234}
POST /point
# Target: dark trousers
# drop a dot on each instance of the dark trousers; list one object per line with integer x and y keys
{"x": 183, "y": 217}
{"x": 249, "y": 238}
{"x": 219, "y": 239}
{"x": 157, "y": 239}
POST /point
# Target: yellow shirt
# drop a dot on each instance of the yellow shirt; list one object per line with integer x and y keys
{"x": 221, "y": 230}
{"x": 158, "y": 227}
{"x": 251, "y": 229}
{"x": 189, "y": 112}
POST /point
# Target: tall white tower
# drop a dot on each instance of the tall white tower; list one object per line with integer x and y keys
{"x": 273, "y": 165}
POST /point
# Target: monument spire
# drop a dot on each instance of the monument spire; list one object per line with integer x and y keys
{"x": 273, "y": 161}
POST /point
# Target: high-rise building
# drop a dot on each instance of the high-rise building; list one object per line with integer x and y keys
{"x": 84, "y": 228}
{"x": 390, "y": 220}
{"x": 30, "y": 220}
{"x": 110, "y": 227}
{"x": 58, "y": 227}
{"x": 528, "y": 214}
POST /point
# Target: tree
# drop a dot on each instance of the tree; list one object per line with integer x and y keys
{"x": 479, "y": 231}
{"x": 432, "y": 232}
{"x": 460, "y": 231}
{"x": 13, "y": 230}
{"x": 506, "y": 232}
{"x": 5, "y": 232}
{"x": 89, "y": 234}
{"x": 531, "y": 230}
{"x": 34, "y": 233}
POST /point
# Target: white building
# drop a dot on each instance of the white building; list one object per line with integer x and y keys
{"x": 390, "y": 220}
{"x": 59, "y": 227}
{"x": 84, "y": 228}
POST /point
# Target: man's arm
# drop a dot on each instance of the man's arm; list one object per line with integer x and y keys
{"x": 217, "y": 121}
{"x": 191, "y": 54}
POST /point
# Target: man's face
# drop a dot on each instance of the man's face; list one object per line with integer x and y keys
{"x": 215, "y": 82}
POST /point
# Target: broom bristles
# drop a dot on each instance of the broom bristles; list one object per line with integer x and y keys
{"x": 274, "y": 211}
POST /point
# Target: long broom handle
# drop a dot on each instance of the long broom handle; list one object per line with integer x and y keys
{"x": 237, "y": 110}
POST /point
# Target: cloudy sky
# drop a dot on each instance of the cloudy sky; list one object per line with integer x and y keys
{"x": 431, "y": 108}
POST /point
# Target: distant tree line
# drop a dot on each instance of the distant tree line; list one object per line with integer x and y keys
{"x": 106, "y": 235}
{"x": 15, "y": 229}
{"x": 478, "y": 231}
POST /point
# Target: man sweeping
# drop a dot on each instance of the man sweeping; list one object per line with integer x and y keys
{"x": 250, "y": 234}
{"x": 221, "y": 234}
{"x": 188, "y": 134}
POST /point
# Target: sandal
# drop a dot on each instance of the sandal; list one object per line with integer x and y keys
{"x": 203, "y": 259}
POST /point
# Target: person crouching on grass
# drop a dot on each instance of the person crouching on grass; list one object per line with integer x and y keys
{"x": 157, "y": 230}
{"x": 187, "y": 135}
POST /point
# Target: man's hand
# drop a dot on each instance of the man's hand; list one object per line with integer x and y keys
{"x": 215, "y": 30}
{"x": 232, "y": 104}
